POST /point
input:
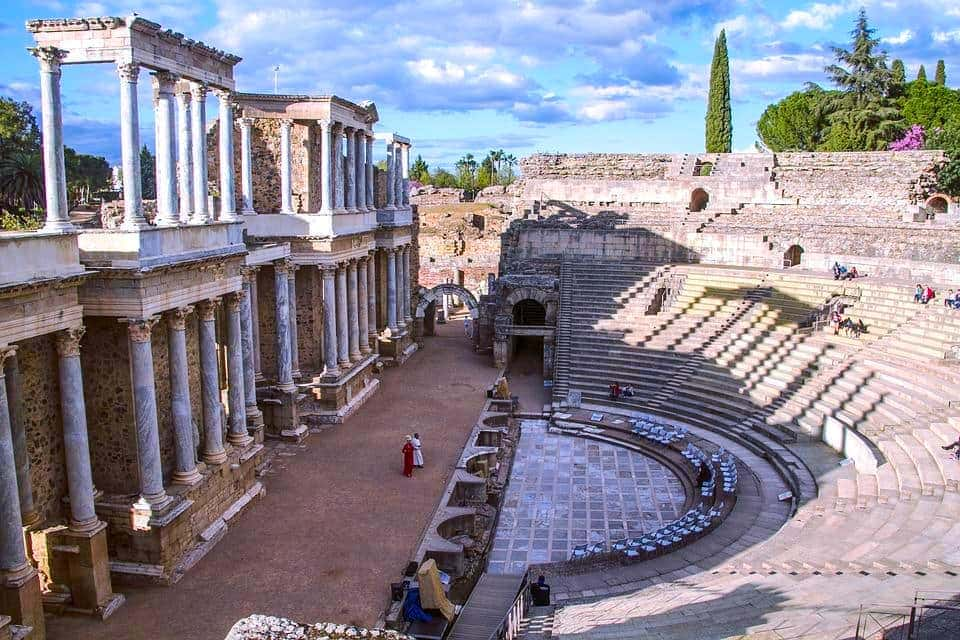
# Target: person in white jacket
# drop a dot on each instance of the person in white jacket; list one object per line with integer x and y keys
{"x": 417, "y": 451}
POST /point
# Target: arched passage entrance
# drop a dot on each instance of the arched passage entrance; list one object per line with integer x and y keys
{"x": 792, "y": 256}
{"x": 937, "y": 204}
{"x": 425, "y": 314}
{"x": 699, "y": 200}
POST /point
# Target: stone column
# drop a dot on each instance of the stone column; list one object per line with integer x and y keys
{"x": 369, "y": 168}
{"x": 286, "y": 167}
{"x": 405, "y": 174}
{"x": 145, "y": 403}
{"x": 168, "y": 209}
{"x": 185, "y": 154}
{"x": 292, "y": 302}
{"x": 133, "y": 218}
{"x": 330, "y": 329}
{"x": 392, "y": 291}
{"x": 398, "y": 174}
{"x": 201, "y": 212}
{"x": 407, "y": 287}
{"x": 401, "y": 287}
{"x": 185, "y": 471}
{"x": 255, "y": 322}
{"x": 254, "y": 415}
{"x": 361, "y": 170}
{"x": 83, "y": 517}
{"x": 228, "y": 192}
{"x": 350, "y": 183}
{"x": 362, "y": 306}
{"x": 284, "y": 354}
{"x": 213, "y": 450}
{"x": 372, "y": 298}
{"x": 237, "y": 435}
{"x": 343, "y": 344}
{"x": 336, "y": 159}
{"x": 246, "y": 167}
{"x": 353, "y": 318}
{"x": 13, "y": 558}
{"x": 391, "y": 169}
{"x": 14, "y": 383}
{"x": 51, "y": 113}
{"x": 326, "y": 167}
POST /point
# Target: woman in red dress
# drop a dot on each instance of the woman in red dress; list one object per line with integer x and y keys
{"x": 408, "y": 457}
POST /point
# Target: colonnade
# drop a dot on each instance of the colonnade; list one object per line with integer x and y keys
{"x": 398, "y": 173}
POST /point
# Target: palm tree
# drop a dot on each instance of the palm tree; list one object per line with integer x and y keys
{"x": 21, "y": 182}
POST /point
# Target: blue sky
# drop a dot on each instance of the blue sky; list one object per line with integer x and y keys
{"x": 559, "y": 75}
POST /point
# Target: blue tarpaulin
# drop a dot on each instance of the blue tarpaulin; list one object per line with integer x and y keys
{"x": 412, "y": 610}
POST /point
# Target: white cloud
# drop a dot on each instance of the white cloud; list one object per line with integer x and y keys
{"x": 903, "y": 37}
{"x": 816, "y": 16}
{"x": 944, "y": 37}
{"x": 740, "y": 24}
{"x": 781, "y": 64}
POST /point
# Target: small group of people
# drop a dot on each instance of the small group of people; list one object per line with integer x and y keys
{"x": 924, "y": 293}
{"x": 952, "y": 301}
{"x": 841, "y": 272}
{"x": 617, "y": 392}
{"x": 849, "y": 327}
{"x": 412, "y": 455}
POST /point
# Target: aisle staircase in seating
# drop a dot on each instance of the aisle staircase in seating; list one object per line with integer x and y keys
{"x": 487, "y": 608}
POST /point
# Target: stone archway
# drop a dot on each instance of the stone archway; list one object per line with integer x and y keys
{"x": 793, "y": 256}
{"x": 937, "y": 204}
{"x": 428, "y": 296}
{"x": 699, "y": 199}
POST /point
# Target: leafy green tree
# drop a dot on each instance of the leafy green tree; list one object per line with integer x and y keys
{"x": 797, "y": 123}
{"x": 921, "y": 74}
{"x": 931, "y": 105}
{"x": 486, "y": 174}
{"x": 18, "y": 127}
{"x": 86, "y": 175}
{"x": 719, "y": 120}
{"x": 443, "y": 178}
{"x": 947, "y": 138}
{"x": 898, "y": 73}
{"x": 940, "y": 77}
{"x": 466, "y": 172}
{"x": 862, "y": 71}
{"x": 148, "y": 175}
{"x": 420, "y": 171}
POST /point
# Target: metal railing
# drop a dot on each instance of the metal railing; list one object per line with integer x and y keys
{"x": 509, "y": 627}
{"x": 933, "y": 615}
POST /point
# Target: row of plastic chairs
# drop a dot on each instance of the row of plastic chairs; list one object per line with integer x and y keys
{"x": 657, "y": 432}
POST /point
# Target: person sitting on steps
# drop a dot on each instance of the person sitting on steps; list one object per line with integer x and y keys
{"x": 628, "y": 392}
{"x": 615, "y": 391}
{"x": 953, "y": 445}
{"x": 918, "y": 293}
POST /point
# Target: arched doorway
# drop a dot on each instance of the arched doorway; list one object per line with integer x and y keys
{"x": 431, "y": 300}
{"x": 527, "y": 357}
{"x": 792, "y": 256}
{"x": 936, "y": 205}
{"x": 699, "y": 200}
{"x": 529, "y": 312}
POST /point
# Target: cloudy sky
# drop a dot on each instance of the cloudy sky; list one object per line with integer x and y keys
{"x": 525, "y": 76}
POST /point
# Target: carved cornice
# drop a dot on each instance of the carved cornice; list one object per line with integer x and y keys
{"x": 207, "y": 309}
{"x": 164, "y": 81}
{"x": 140, "y": 329}
{"x": 177, "y": 318}
{"x": 68, "y": 341}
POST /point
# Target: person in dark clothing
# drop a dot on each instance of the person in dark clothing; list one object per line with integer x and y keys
{"x": 540, "y": 592}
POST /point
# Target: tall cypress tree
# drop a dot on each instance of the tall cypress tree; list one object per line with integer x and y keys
{"x": 941, "y": 76}
{"x": 719, "y": 129}
{"x": 898, "y": 72}
{"x": 922, "y": 74}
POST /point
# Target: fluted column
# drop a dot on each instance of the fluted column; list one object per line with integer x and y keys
{"x": 326, "y": 167}
{"x": 392, "y": 291}
{"x": 362, "y": 306}
{"x": 353, "y": 318}
{"x": 282, "y": 317}
{"x": 51, "y": 119}
{"x": 213, "y": 450}
{"x": 13, "y": 558}
{"x": 405, "y": 174}
{"x": 181, "y": 410}
{"x": 133, "y": 218}
{"x": 255, "y": 322}
{"x": 185, "y": 154}
{"x": 15, "y": 398}
{"x": 361, "y": 169}
{"x": 398, "y": 175}
{"x": 330, "y": 332}
{"x": 372, "y": 298}
{"x": 145, "y": 409}
{"x": 350, "y": 183}
{"x": 246, "y": 167}
{"x": 294, "y": 337}
{"x": 228, "y": 191}
{"x": 336, "y": 159}
{"x": 407, "y": 287}
{"x": 369, "y": 171}
{"x": 168, "y": 208}
{"x": 237, "y": 435}
{"x": 343, "y": 343}
{"x": 400, "y": 289}
{"x": 391, "y": 171}
{"x": 286, "y": 167}
{"x": 76, "y": 447}
{"x": 201, "y": 212}
{"x": 254, "y": 416}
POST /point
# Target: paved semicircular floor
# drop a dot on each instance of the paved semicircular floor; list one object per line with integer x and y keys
{"x": 566, "y": 491}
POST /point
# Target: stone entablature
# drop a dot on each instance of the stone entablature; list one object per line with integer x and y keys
{"x": 29, "y": 257}
{"x": 304, "y": 107}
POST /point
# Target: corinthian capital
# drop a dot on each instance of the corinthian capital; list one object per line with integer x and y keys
{"x": 68, "y": 341}
{"x": 6, "y": 352}
{"x": 49, "y": 57}
{"x": 233, "y": 301}
{"x": 140, "y": 329}
{"x": 207, "y": 309}
{"x": 128, "y": 71}
{"x": 177, "y": 318}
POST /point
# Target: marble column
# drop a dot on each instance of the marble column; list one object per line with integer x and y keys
{"x": 255, "y": 322}
{"x": 168, "y": 208}
{"x": 254, "y": 416}
{"x": 185, "y": 154}
{"x": 282, "y": 317}
{"x": 51, "y": 119}
{"x": 353, "y": 318}
{"x": 392, "y": 291}
{"x": 372, "y": 298}
{"x": 246, "y": 167}
{"x": 400, "y": 289}
{"x": 407, "y": 286}
{"x": 369, "y": 169}
{"x": 391, "y": 169}
{"x": 294, "y": 337}
{"x": 76, "y": 446}
{"x": 362, "y": 306}
{"x": 336, "y": 159}
{"x": 133, "y": 218}
{"x": 181, "y": 410}
{"x": 286, "y": 167}
{"x": 405, "y": 174}
{"x": 228, "y": 191}
{"x": 213, "y": 449}
{"x": 13, "y": 557}
{"x": 398, "y": 175}
{"x": 330, "y": 330}
{"x": 201, "y": 212}
{"x": 237, "y": 435}
{"x": 326, "y": 167}
{"x": 350, "y": 183}
{"x": 15, "y": 398}
{"x": 343, "y": 344}
{"x": 145, "y": 403}
{"x": 361, "y": 169}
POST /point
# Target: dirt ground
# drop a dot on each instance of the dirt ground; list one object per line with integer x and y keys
{"x": 339, "y": 520}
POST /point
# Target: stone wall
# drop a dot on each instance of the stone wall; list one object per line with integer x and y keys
{"x": 431, "y": 195}
{"x": 461, "y": 238}
{"x": 309, "y": 287}
{"x": 266, "y": 300}
{"x": 611, "y": 166}
{"x": 258, "y": 627}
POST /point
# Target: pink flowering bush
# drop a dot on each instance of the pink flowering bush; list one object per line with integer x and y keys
{"x": 912, "y": 140}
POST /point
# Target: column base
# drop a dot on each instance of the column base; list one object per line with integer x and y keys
{"x": 21, "y": 599}
{"x": 217, "y": 457}
{"x": 187, "y": 478}
{"x": 396, "y": 349}
{"x": 239, "y": 441}
{"x": 355, "y": 357}
{"x": 31, "y": 520}
{"x": 334, "y": 400}
{"x": 280, "y": 415}
{"x": 58, "y": 226}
